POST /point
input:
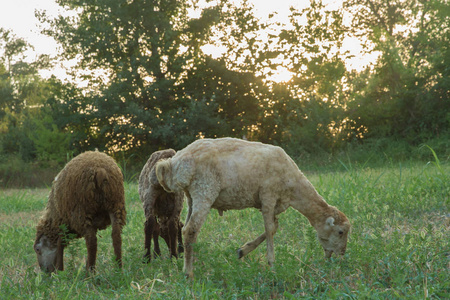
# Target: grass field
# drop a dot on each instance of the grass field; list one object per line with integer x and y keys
{"x": 398, "y": 248}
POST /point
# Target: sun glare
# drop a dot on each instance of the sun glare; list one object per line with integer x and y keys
{"x": 281, "y": 74}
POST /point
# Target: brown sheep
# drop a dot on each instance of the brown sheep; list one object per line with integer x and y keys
{"x": 235, "y": 174}
{"x": 86, "y": 196}
{"x": 162, "y": 209}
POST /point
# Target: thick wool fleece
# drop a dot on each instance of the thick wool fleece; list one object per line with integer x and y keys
{"x": 83, "y": 194}
{"x": 161, "y": 208}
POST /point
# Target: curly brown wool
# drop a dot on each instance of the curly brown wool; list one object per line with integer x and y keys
{"x": 162, "y": 209}
{"x": 86, "y": 196}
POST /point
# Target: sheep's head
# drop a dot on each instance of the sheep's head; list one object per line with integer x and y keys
{"x": 46, "y": 252}
{"x": 333, "y": 234}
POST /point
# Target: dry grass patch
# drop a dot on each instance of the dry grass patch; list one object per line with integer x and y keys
{"x": 20, "y": 218}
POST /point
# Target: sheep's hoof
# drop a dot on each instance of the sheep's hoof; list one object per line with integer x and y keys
{"x": 90, "y": 269}
{"x": 240, "y": 253}
{"x": 146, "y": 259}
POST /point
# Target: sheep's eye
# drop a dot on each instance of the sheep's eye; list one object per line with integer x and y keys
{"x": 341, "y": 232}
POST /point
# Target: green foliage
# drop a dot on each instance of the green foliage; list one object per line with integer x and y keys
{"x": 151, "y": 83}
{"x": 26, "y": 127}
{"x": 397, "y": 248}
{"x": 51, "y": 144}
{"x": 162, "y": 90}
{"x": 17, "y": 173}
{"x": 130, "y": 174}
{"x": 12, "y": 167}
{"x": 406, "y": 94}
{"x": 15, "y": 140}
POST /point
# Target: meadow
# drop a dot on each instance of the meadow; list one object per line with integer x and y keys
{"x": 398, "y": 248}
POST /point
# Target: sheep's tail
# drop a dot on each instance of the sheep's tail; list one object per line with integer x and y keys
{"x": 163, "y": 171}
{"x": 101, "y": 177}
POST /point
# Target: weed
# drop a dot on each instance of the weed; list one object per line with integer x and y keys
{"x": 436, "y": 161}
{"x": 128, "y": 175}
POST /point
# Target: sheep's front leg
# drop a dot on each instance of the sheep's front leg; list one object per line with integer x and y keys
{"x": 180, "y": 237}
{"x": 271, "y": 225}
{"x": 91, "y": 245}
{"x": 116, "y": 236}
{"x": 190, "y": 232}
{"x": 189, "y": 202}
{"x": 60, "y": 255}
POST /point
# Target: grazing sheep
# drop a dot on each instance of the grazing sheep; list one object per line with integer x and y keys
{"x": 161, "y": 206}
{"x": 86, "y": 196}
{"x": 235, "y": 174}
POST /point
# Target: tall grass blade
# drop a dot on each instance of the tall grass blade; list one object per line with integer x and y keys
{"x": 74, "y": 282}
{"x": 344, "y": 165}
{"x": 436, "y": 162}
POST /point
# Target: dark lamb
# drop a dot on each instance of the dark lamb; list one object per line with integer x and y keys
{"x": 162, "y": 209}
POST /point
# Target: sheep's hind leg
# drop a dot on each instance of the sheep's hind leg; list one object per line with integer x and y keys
{"x": 91, "y": 246}
{"x": 116, "y": 236}
{"x": 151, "y": 230}
{"x": 156, "y": 233}
{"x": 147, "y": 242}
{"x": 250, "y": 246}
{"x": 172, "y": 226}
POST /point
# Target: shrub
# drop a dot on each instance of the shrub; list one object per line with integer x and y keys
{"x": 13, "y": 170}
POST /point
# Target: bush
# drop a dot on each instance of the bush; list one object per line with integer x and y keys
{"x": 13, "y": 170}
{"x": 52, "y": 145}
{"x": 17, "y": 173}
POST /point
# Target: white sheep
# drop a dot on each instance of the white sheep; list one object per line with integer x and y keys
{"x": 230, "y": 173}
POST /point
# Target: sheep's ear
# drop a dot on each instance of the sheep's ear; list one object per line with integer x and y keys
{"x": 330, "y": 221}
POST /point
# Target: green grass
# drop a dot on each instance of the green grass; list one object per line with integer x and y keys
{"x": 398, "y": 248}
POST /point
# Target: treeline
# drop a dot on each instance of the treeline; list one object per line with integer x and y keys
{"x": 149, "y": 84}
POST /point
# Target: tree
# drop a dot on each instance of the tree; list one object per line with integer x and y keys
{"x": 308, "y": 112}
{"x": 22, "y": 94}
{"x": 158, "y": 88}
{"x": 405, "y": 94}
